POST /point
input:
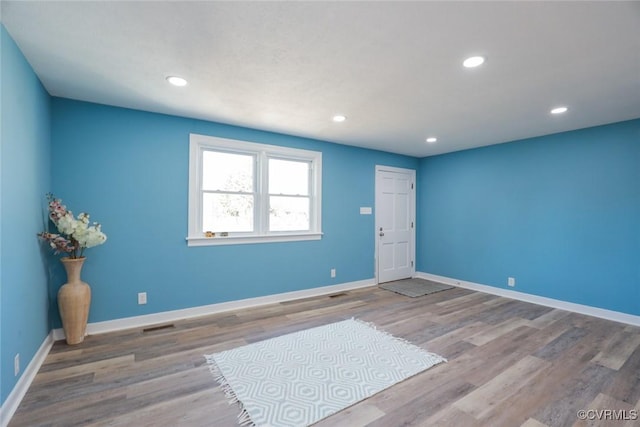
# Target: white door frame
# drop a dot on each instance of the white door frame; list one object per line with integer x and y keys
{"x": 412, "y": 211}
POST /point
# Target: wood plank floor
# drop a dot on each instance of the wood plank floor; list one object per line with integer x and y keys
{"x": 509, "y": 364}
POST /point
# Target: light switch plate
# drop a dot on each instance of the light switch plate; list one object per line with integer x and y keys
{"x": 366, "y": 210}
{"x": 142, "y": 298}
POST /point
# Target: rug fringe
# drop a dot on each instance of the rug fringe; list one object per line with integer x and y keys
{"x": 244, "y": 419}
{"x": 402, "y": 340}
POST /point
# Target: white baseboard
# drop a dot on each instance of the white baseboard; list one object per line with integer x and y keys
{"x": 13, "y": 400}
{"x": 204, "y": 310}
{"x": 20, "y": 389}
{"x": 602, "y": 313}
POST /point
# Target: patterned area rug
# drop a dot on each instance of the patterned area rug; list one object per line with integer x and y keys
{"x": 303, "y": 377}
{"x": 415, "y": 287}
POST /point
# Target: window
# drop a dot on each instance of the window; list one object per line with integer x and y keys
{"x": 243, "y": 192}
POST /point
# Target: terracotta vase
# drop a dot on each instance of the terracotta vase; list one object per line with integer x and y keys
{"x": 74, "y": 299}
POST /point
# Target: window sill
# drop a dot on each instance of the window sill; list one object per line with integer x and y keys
{"x": 271, "y": 238}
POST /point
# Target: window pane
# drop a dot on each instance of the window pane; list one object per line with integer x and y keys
{"x": 288, "y": 177}
{"x": 227, "y": 172}
{"x": 288, "y": 213}
{"x": 227, "y": 212}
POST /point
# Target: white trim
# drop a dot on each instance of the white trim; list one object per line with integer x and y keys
{"x": 394, "y": 169}
{"x": 17, "y": 394}
{"x": 198, "y": 144}
{"x": 231, "y": 240}
{"x": 20, "y": 389}
{"x": 204, "y": 310}
{"x": 602, "y": 313}
{"x": 412, "y": 208}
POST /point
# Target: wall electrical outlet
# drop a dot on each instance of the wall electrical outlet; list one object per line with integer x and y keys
{"x": 333, "y": 273}
{"x": 511, "y": 281}
{"x": 142, "y": 298}
{"x": 16, "y": 365}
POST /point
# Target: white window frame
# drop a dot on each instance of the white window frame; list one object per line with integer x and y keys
{"x": 198, "y": 144}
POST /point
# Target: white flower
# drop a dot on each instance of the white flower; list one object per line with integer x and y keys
{"x": 89, "y": 236}
{"x": 67, "y": 224}
{"x": 81, "y": 225}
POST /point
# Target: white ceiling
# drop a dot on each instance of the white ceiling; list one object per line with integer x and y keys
{"x": 393, "y": 68}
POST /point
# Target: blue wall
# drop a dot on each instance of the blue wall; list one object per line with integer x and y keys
{"x": 25, "y": 178}
{"x": 129, "y": 170}
{"x": 560, "y": 213}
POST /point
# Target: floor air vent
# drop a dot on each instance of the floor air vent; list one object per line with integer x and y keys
{"x": 341, "y": 294}
{"x": 158, "y": 328}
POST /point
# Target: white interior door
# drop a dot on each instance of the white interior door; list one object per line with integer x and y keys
{"x": 395, "y": 223}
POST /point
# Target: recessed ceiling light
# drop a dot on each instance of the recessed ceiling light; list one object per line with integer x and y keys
{"x": 559, "y": 110}
{"x": 432, "y": 139}
{"x": 473, "y": 61}
{"x": 177, "y": 81}
{"x": 339, "y": 118}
